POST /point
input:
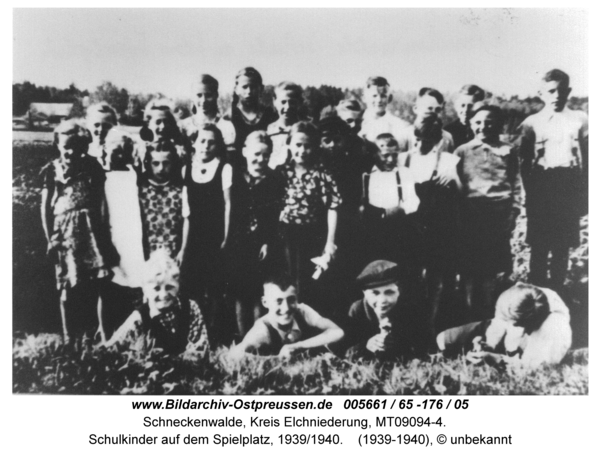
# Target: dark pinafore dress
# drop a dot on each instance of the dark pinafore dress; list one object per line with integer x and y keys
{"x": 203, "y": 263}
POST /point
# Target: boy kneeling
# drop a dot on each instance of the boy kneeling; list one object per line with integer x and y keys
{"x": 377, "y": 325}
{"x": 288, "y": 327}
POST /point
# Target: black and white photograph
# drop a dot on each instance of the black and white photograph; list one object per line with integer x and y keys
{"x": 259, "y": 202}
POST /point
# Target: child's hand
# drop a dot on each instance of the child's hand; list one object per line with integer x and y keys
{"x": 263, "y": 252}
{"x": 179, "y": 258}
{"x": 330, "y": 249}
{"x": 288, "y": 350}
{"x": 376, "y": 343}
{"x": 444, "y": 179}
{"x": 224, "y": 244}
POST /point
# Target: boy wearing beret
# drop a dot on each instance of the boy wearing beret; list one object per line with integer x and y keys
{"x": 377, "y": 324}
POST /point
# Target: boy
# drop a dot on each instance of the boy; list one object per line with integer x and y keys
{"x": 468, "y": 100}
{"x": 350, "y": 112}
{"x": 430, "y": 102}
{"x": 388, "y": 197}
{"x": 205, "y": 110}
{"x": 377, "y": 324}
{"x": 376, "y": 118}
{"x": 288, "y": 327}
{"x": 287, "y": 101}
{"x": 554, "y": 151}
{"x": 99, "y": 119}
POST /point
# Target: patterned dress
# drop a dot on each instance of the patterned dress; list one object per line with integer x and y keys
{"x": 77, "y": 236}
{"x": 161, "y": 216}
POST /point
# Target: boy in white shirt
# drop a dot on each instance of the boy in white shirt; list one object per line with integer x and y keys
{"x": 376, "y": 118}
{"x": 554, "y": 151}
{"x": 287, "y": 101}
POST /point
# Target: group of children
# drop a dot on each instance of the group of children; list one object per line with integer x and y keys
{"x": 198, "y": 221}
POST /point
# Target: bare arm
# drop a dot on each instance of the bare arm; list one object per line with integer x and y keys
{"x": 227, "y": 197}
{"x": 332, "y": 218}
{"x": 47, "y": 218}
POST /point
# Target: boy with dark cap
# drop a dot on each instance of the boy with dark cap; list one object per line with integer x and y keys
{"x": 377, "y": 324}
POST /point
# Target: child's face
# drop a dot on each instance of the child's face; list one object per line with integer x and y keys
{"x": 377, "y": 98}
{"x": 352, "y": 118}
{"x": 206, "y": 100}
{"x": 161, "y": 165}
{"x": 158, "y": 124}
{"x": 120, "y": 154}
{"x": 71, "y": 144}
{"x": 301, "y": 148}
{"x": 280, "y": 304}
{"x": 332, "y": 143}
{"x": 554, "y": 95}
{"x": 382, "y": 299}
{"x": 464, "y": 107}
{"x": 248, "y": 90}
{"x": 98, "y": 124}
{"x": 427, "y": 106}
{"x": 205, "y": 146}
{"x": 486, "y": 126}
{"x": 387, "y": 156}
{"x": 286, "y": 104}
{"x": 257, "y": 157}
{"x": 161, "y": 293}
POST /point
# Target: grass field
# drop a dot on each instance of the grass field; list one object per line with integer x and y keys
{"x": 42, "y": 365}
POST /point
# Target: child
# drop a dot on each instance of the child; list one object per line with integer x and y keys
{"x": 388, "y": 197}
{"x": 351, "y": 112}
{"x": 207, "y": 215}
{"x": 430, "y": 103}
{"x": 205, "y": 110}
{"x": 378, "y": 324}
{"x": 437, "y": 186}
{"x": 258, "y": 195}
{"x": 161, "y": 202}
{"x": 531, "y": 326}
{"x": 288, "y": 327}
{"x": 376, "y": 119}
{"x": 76, "y": 232}
{"x": 100, "y": 118}
{"x": 123, "y": 210}
{"x": 309, "y": 217}
{"x": 489, "y": 171}
{"x": 554, "y": 151}
{"x": 287, "y": 100}
{"x": 468, "y": 100}
{"x": 166, "y": 320}
{"x": 160, "y": 124}
{"x": 247, "y": 113}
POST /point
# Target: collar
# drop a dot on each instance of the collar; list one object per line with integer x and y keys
{"x": 376, "y": 169}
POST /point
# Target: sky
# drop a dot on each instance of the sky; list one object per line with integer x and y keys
{"x": 504, "y": 51}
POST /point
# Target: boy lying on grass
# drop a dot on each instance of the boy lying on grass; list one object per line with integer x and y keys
{"x": 530, "y": 327}
{"x": 288, "y": 327}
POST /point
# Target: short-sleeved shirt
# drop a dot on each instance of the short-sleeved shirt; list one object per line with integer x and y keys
{"x": 422, "y": 166}
{"x": 308, "y": 197}
{"x": 383, "y": 189}
{"x": 372, "y": 126}
{"x": 279, "y": 134}
{"x": 408, "y": 141}
{"x": 557, "y": 137}
{"x": 266, "y": 338}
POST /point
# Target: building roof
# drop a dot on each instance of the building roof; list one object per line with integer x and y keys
{"x": 51, "y": 109}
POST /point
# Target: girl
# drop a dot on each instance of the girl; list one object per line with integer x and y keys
{"x": 309, "y": 216}
{"x": 160, "y": 201}
{"x": 75, "y": 229}
{"x": 258, "y": 197}
{"x": 489, "y": 171}
{"x": 122, "y": 202}
{"x": 207, "y": 214}
{"x": 160, "y": 124}
{"x": 437, "y": 185}
{"x": 100, "y": 118}
{"x": 247, "y": 113}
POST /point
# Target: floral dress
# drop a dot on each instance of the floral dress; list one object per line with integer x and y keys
{"x": 78, "y": 237}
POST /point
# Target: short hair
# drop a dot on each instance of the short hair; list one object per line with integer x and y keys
{"x": 117, "y": 135}
{"x": 304, "y": 127}
{"x": 474, "y": 91}
{"x": 429, "y": 92}
{"x": 260, "y": 137}
{"x": 377, "y": 81}
{"x": 281, "y": 279}
{"x": 496, "y": 111}
{"x": 333, "y": 125}
{"x": 431, "y": 128}
{"x": 523, "y": 304}
{"x": 391, "y": 141}
{"x": 208, "y": 81}
{"x": 557, "y": 75}
{"x": 102, "y": 108}
{"x": 291, "y": 87}
{"x": 160, "y": 267}
{"x": 349, "y": 105}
